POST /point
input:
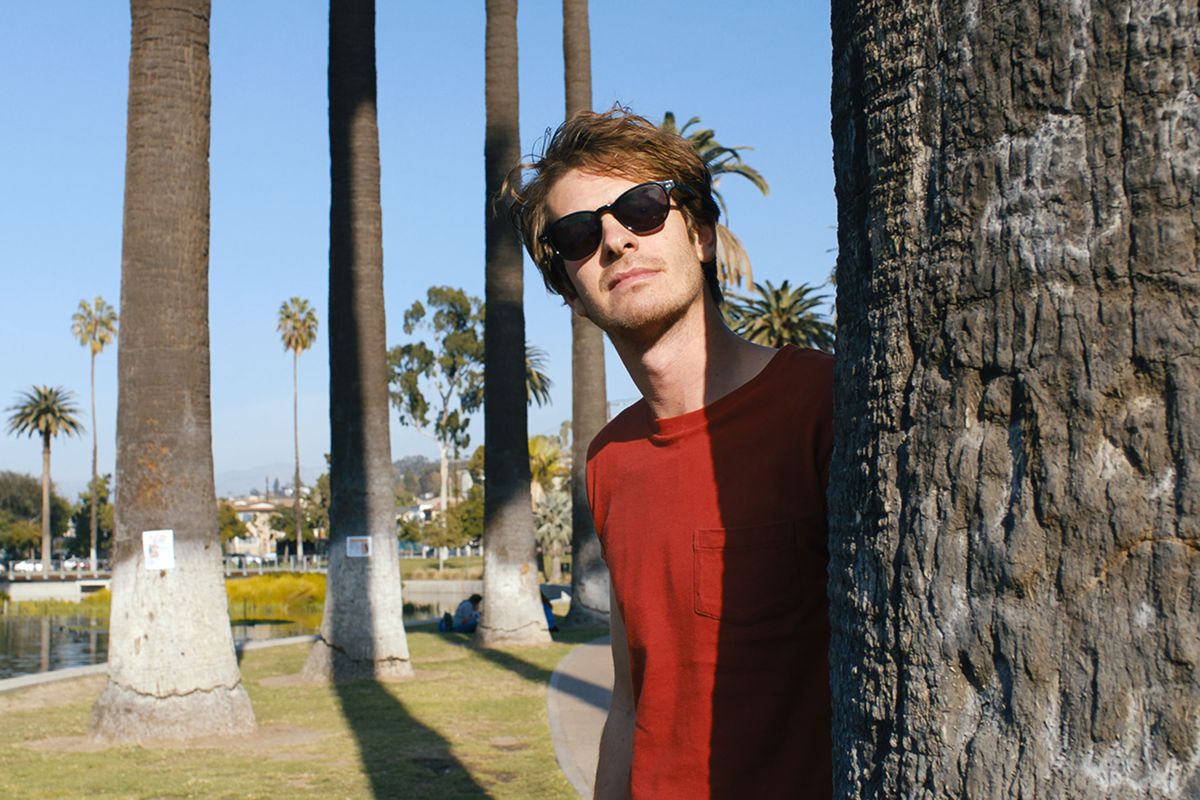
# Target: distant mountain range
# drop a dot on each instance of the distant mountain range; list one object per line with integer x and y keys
{"x": 253, "y": 480}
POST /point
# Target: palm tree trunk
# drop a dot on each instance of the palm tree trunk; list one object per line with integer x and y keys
{"x": 362, "y": 631}
{"x": 94, "y": 521}
{"x": 172, "y": 669}
{"x": 589, "y": 402}
{"x": 1014, "y": 568}
{"x": 46, "y": 543}
{"x": 298, "y": 517}
{"x": 512, "y": 609}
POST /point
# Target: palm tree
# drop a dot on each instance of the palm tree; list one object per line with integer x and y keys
{"x": 553, "y": 518}
{"x": 545, "y": 466}
{"x": 95, "y": 326}
{"x": 779, "y": 315}
{"x": 172, "y": 671}
{"x": 362, "y": 631}
{"x": 733, "y": 264}
{"x": 45, "y": 411}
{"x": 589, "y": 400}
{"x": 537, "y": 382}
{"x": 513, "y": 611}
{"x": 298, "y": 329}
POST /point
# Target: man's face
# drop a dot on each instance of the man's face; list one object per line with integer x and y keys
{"x": 633, "y": 283}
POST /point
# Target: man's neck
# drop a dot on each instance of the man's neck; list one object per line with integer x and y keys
{"x": 694, "y": 362}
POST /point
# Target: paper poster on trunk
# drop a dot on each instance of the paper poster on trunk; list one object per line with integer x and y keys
{"x": 358, "y": 547}
{"x": 158, "y": 549}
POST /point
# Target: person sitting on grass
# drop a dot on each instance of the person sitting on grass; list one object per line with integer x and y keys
{"x": 466, "y": 616}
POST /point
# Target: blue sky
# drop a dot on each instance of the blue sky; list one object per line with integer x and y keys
{"x": 757, "y": 73}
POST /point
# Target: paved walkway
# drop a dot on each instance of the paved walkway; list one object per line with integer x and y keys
{"x": 580, "y": 690}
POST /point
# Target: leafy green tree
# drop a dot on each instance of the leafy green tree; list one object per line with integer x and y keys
{"x": 95, "y": 326}
{"x": 45, "y": 411}
{"x": 20, "y": 512}
{"x": 446, "y": 371}
{"x": 545, "y": 466}
{"x": 733, "y": 264}
{"x": 229, "y": 523}
{"x": 553, "y": 532}
{"x": 779, "y": 315}
{"x": 537, "y": 382}
{"x": 298, "y": 329}
{"x": 82, "y": 516}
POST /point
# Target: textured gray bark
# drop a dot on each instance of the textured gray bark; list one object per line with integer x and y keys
{"x": 1015, "y": 569}
{"x": 172, "y": 672}
{"x": 362, "y": 629}
{"x": 589, "y": 401}
{"x": 512, "y": 609}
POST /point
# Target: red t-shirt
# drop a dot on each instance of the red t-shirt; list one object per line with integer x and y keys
{"x": 713, "y": 527}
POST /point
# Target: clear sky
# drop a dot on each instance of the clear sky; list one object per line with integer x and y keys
{"x": 757, "y": 72}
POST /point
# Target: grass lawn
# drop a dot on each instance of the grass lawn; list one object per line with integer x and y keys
{"x": 472, "y": 723}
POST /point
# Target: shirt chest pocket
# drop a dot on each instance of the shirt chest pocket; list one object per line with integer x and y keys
{"x": 745, "y": 575}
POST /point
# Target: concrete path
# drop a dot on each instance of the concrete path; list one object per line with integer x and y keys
{"x": 580, "y": 691}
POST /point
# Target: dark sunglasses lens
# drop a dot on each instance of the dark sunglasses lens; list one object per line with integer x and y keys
{"x": 576, "y": 236}
{"x": 643, "y": 208}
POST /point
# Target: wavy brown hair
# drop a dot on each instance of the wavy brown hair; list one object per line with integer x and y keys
{"x": 616, "y": 142}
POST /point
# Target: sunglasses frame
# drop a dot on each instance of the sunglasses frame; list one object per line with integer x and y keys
{"x": 610, "y": 208}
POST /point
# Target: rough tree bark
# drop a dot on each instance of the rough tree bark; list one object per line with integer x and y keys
{"x": 362, "y": 630}
{"x": 172, "y": 672}
{"x": 589, "y": 401}
{"x": 1015, "y": 569}
{"x": 512, "y": 609}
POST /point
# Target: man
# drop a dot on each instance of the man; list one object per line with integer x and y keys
{"x": 708, "y": 494}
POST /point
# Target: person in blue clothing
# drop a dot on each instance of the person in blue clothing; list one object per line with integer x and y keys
{"x": 551, "y": 625}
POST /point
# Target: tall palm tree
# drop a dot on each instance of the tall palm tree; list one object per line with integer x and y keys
{"x": 589, "y": 400}
{"x": 512, "y": 612}
{"x": 733, "y": 263}
{"x": 44, "y": 411}
{"x": 172, "y": 671}
{"x": 362, "y": 631}
{"x": 553, "y": 518}
{"x": 95, "y": 326}
{"x": 779, "y": 315}
{"x": 537, "y": 382}
{"x": 298, "y": 329}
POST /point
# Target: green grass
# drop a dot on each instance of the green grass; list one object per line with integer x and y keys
{"x": 472, "y": 723}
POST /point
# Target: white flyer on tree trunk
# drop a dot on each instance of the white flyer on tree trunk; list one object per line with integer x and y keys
{"x": 158, "y": 549}
{"x": 358, "y": 547}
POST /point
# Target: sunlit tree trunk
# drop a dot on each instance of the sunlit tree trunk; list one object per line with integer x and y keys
{"x": 362, "y": 631}
{"x": 94, "y": 521}
{"x": 47, "y": 540}
{"x": 1015, "y": 537}
{"x": 297, "y": 514}
{"x": 172, "y": 673}
{"x": 512, "y": 609}
{"x": 589, "y": 406}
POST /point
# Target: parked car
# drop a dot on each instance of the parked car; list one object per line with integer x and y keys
{"x": 73, "y": 563}
{"x": 27, "y": 566}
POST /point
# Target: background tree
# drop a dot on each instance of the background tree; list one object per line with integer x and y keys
{"x": 553, "y": 532}
{"x": 229, "y": 523}
{"x": 362, "y": 630}
{"x": 545, "y": 466}
{"x": 733, "y": 263}
{"x": 172, "y": 672}
{"x": 513, "y": 611}
{"x": 537, "y": 382}
{"x": 21, "y": 513}
{"x": 448, "y": 371}
{"x": 589, "y": 399}
{"x": 298, "y": 329}
{"x": 1015, "y": 568}
{"x": 81, "y": 516}
{"x": 95, "y": 326}
{"x": 779, "y": 315}
{"x": 44, "y": 411}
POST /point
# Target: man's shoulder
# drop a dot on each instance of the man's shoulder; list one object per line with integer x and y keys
{"x": 816, "y": 364}
{"x": 632, "y": 424}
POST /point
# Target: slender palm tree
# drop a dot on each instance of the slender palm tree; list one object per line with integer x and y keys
{"x": 45, "y": 411}
{"x": 512, "y": 612}
{"x": 779, "y": 315}
{"x": 733, "y": 263}
{"x": 589, "y": 400}
{"x": 172, "y": 671}
{"x": 537, "y": 382}
{"x": 553, "y": 518}
{"x": 95, "y": 326}
{"x": 298, "y": 329}
{"x": 362, "y": 631}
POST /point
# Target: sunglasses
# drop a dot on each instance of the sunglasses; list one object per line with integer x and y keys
{"x": 641, "y": 210}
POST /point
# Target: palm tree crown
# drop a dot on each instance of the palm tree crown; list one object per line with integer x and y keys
{"x": 537, "y": 382}
{"x": 297, "y": 325}
{"x": 45, "y": 411}
{"x": 95, "y": 325}
{"x": 780, "y": 315}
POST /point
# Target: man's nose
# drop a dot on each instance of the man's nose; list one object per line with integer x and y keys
{"x": 615, "y": 239}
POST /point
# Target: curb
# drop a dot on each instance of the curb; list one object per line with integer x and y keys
{"x": 563, "y": 752}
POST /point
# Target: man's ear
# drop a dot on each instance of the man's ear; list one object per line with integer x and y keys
{"x": 577, "y": 306}
{"x": 706, "y": 242}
